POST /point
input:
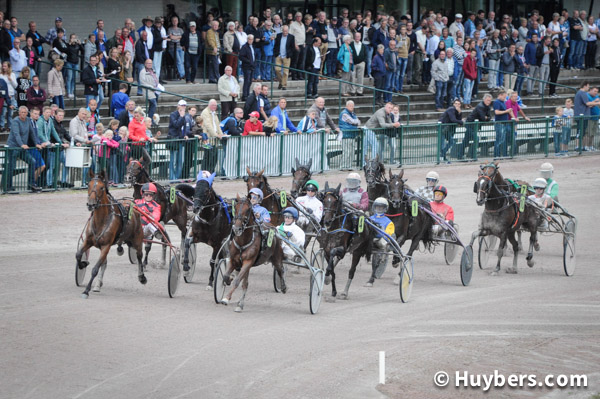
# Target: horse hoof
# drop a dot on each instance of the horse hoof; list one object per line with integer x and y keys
{"x": 142, "y": 279}
{"x": 368, "y": 285}
{"x": 494, "y": 273}
{"x": 84, "y": 296}
{"x": 283, "y": 289}
{"x": 186, "y": 267}
{"x": 329, "y": 299}
{"x": 530, "y": 263}
{"x": 344, "y": 296}
{"x": 208, "y": 288}
{"x": 120, "y": 251}
{"x": 83, "y": 264}
{"x": 327, "y": 280}
{"x": 96, "y": 289}
{"x": 225, "y": 301}
{"x": 511, "y": 270}
{"x": 238, "y": 309}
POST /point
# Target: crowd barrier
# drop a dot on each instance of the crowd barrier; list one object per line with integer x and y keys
{"x": 181, "y": 160}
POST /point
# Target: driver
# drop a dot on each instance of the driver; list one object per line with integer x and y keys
{"x": 260, "y": 213}
{"x": 290, "y": 229}
{"x": 380, "y": 207}
{"x": 547, "y": 171}
{"x": 353, "y": 194}
{"x": 442, "y": 209}
{"x": 149, "y": 206}
{"x": 426, "y": 191}
{"x": 311, "y": 203}
{"x": 541, "y": 198}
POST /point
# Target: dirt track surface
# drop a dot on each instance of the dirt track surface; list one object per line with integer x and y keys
{"x": 133, "y": 341}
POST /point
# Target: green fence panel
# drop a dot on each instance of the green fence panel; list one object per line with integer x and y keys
{"x": 420, "y": 144}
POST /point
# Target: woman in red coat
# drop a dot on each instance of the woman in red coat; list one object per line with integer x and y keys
{"x": 470, "y": 71}
{"x": 138, "y": 137}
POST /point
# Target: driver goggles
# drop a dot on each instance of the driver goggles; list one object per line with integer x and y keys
{"x": 311, "y": 189}
{"x": 430, "y": 180}
{"x": 254, "y": 197}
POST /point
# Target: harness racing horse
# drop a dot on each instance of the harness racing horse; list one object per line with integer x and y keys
{"x": 377, "y": 185}
{"x": 408, "y": 227}
{"x": 341, "y": 238}
{"x": 246, "y": 250}
{"x": 502, "y": 215}
{"x": 300, "y": 175}
{"x": 271, "y": 200}
{"x": 211, "y": 223}
{"x": 137, "y": 175}
{"x": 109, "y": 225}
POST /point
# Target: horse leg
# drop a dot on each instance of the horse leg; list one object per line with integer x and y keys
{"x": 240, "y": 304}
{"x": 236, "y": 281}
{"x": 213, "y": 264}
{"x": 520, "y": 241}
{"x": 82, "y": 264}
{"x": 138, "y": 243}
{"x": 355, "y": 260}
{"x": 281, "y": 273}
{"x": 500, "y": 253}
{"x": 376, "y": 260}
{"x": 515, "y": 245}
{"x": 103, "y": 254}
{"x": 532, "y": 243}
{"x": 98, "y": 284}
{"x": 148, "y": 248}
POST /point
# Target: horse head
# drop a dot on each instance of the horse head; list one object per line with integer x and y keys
{"x": 331, "y": 203}
{"x": 202, "y": 194}
{"x": 97, "y": 190}
{"x": 487, "y": 177}
{"x": 136, "y": 172}
{"x": 374, "y": 171}
{"x": 256, "y": 179}
{"x": 396, "y": 190}
{"x": 300, "y": 175}
{"x": 243, "y": 215}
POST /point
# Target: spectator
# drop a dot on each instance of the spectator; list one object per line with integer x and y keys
{"x": 359, "y": 56}
{"x": 308, "y": 124}
{"x": 521, "y": 69}
{"x": 576, "y": 42}
{"x": 481, "y": 113}
{"x": 284, "y": 124}
{"x": 439, "y": 73}
{"x": 149, "y": 78}
{"x": 116, "y": 40}
{"x": 378, "y": 71}
{"x": 348, "y": 121}
{"x": 138, "y": 136}
{"x": 381, "y": 119}
{"x": 298, "y": 31}
{"x": 5, "y": 41}
{"x": 229, "y": 91}
{"x": 264, "y": 106}
{"x": 313, "y": 62}
{"x": 23, "y": 84}
{"x": 509, "y": 66}
{"x": 390, "y": 56}
{"x": 232, "y": 46}
{"x": 543, "y": 57}
{"x": 78, "y": 130}
{"x": 56, "y": 84}
{"x": 89, "y": 49}
{"x": 59, "y": 46}
{"x": 210, "y": 120}
{"x": 192, "y": 46}
{"x": 469, "y": 25}
{"x": 457, "y": 26}
{"x": 323, "y": 119}
{"x": 177, "y": 131}
{"x": 582, "y": 110}
{"x": 74, "y": 51}
{"x": 102, "y": 49}
{"x": 253, "y": 101}
{"x": 128, "y": 41}
{"x": 320, "y": 26}
{"x": 366, "y": 32}
{"x": 451, "y": 118}
{"x": 47, "y": 136}
{"x": 113, "y": 69}
{"x": 503, "y": 129}
{"x": 127, "y": 115}
{"x": 344, "y": 57}
{"x": 284, "y": 48}
{"x": 53, "y": 32}
{"x": 592, "y": 39}
{"x": 248, "y": 59}
{"x": 232, "y": 125}
{"x": 334, "y": 43}
{"x": 143, "y": 52}
{"x": 92, "y": 78}
{"x": 555, "y": 62}
{"x": 242, "y": 38}
{"x": 493, "y": 50}
{"x": 257, "y": 42}
{"x": 270, "y": 126}
{"x": 94, "y": 117}
{"x": 65, "y": 139}
{"x": 253, "y": 126}
{"x": 127, "y": 65}
{"x": 269, "y": 36}
{"x": 213, "y": 48}
{"x": 37, "y": 41}
{"x": 447, "y": 39}
{"x": 594, "y": 116}
{"x": 419, "y": 53}
{"x": 381, "y": 36}
{"x": 11, "y": 81}
{"x": 36, "y": 96}
{"x": 159, "y": 45}
{"x": 410, "y": 68}
{"x": 17, "y": 56}
{"x": 175, "y": 34}
{"x": 532, "y": 60}
{"x": 403, "y": 44}
{"x": 21, "y": 135}
{"x": 470, "y": 72}
{"x": 32, "y": 60}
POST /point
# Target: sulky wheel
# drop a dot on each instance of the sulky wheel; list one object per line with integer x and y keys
{"x": 80, "y": 273}
{"x": 219, "y": 283}
{"x": 569, "y": 254}
{"x": 406, "y": 279}
{"x": 189, "y": 275}
{"x": 466, "y": 265}
{"x": 174, "y": 272}
{"x": 487, "y": 245}
{"x": 317, "y": 281}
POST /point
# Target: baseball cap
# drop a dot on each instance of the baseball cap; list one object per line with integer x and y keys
{"x": 58, "y": 19}
{"x": 458, "y": 16}
{"x": 334, "y": 18}
{"x": 254, "y": 114}
{"x": 192, "y": 23}
{"x": 182, "y": 102}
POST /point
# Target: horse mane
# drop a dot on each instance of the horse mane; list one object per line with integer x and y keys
{"x": 186, "y": 190}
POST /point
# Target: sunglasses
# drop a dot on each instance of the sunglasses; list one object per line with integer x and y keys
{"x": 312, "y": 190}
{"x": 148, "y": 194}
{"x": 254, "y": 196}
{"x": 288, "y": 217}
{"x": 428, "y": 179}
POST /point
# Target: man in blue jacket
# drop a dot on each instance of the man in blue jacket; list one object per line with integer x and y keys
{"x": 531, "y": 62}
{"x": 177, "y": 131}
{"x": 284, "y": 124}
{"x": 22, "y": 132}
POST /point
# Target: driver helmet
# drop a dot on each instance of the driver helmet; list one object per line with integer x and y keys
{"x": 311, "y": 185}
{"x": 432, "y": 178}
{"x": 441, "y": 189}
{"x": 540, "y": 182}
{"x": 149, "y": 188}
{"x": 258, "y": 192}
{"x": 380, "y": 206}
{"x": 546, "y": 170}
{"x": 353, "y": 181}
{"x": 291, "y": 211}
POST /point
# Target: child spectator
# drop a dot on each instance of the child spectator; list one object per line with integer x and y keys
{"x": 253, "y": 126}
{"x": 561, "y": 133}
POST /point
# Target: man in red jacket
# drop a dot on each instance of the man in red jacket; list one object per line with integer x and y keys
{"x": 470, "y": 71}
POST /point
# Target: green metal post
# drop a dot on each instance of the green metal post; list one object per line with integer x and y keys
{"x": 339, "y": 97}
{"x": 407, "y": 110}
{"x": 272, "y": 75}
{"x": 5, "y": 176}
{"x": 195, "y": 156}
{"x": 476, "y": 139}
{"x": 401, "y": 149}
{"x": 239, "y": 156}
{"x": 281, "y": 137}
{"x": 547, "y": 135}
{"x": 323, "y": 150}
{"x": 439, "y": 141}
{"x": 147, "y": 104}
{"x": 57, "y": 150}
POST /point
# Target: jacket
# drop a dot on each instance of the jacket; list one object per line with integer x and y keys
{"x": 231, "y": 44}
{"x": 137, "y": 131}
{"x": 470, "y": 68}
{"x": 451, "y": 115}
{"x": 323, "y": 118}
{"x": 88, "y": 78}
{"x": 290, "y": 45}
{"x": 539, "y": 55}
{"x": 78, "y": 131}
{"x": 481, "y": 113}
{"x": 380, "y": 38}
{"x": 493, "y": 49}
{"x": 146, "y": 79}
{"x": 343, "y": 56}
{"x": 310, "y": 58}
{"x": 358, "y": 57}
{"x": 508, "y": 63}
{"x": 46, "y": 131}
{"x": 56, "y": 83}
{"x": 212, "y": 42}
{"x": 530, "y": 53}
{"x": 38, "y": 40}
{"x": 224, "y": 88}
{"x": 281, "y": 115}
{"x": 157, "y": 39}
{"x": 251, "y": 105}
{"x": 176, "y": 125}
{"x": 439, "y": 70}
{"x": 207, "y": 123}
{"x": 246, "y": 57}
{"x": 391, "y": 59}
{"x": 21, "y": 132}
{"x": 379, "y": 120}
{"x": 378, "y": 66}
{"x": 140, "y": 53}
{"x": 36, "y": 99}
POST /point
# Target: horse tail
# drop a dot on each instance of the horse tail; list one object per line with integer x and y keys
{"x": 186, "y": 190}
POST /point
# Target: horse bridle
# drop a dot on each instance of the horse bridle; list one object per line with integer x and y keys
{"x": 143, "y": 171}
{"x": 97, "y": 203}
{"x": 394, "y": 191}
{"x": 373, "y": 173}
{"x": 298, "y": 182}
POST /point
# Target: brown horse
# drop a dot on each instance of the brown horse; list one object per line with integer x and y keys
{"x": 271, "y": 200}
{"x": 109, "y": 225}
{"x": 300, "y": 175}
{"x": 502, "y": 216}
{"x": 246, "y": 250}
{"x": 137, "y": 175}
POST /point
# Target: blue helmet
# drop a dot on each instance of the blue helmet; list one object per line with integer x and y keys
{"x": 258, "y": 192}
{"x": 292, "y": 211}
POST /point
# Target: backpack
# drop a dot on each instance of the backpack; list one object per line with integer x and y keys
{"x": 224, "y": 123}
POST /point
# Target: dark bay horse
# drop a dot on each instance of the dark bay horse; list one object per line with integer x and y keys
{"x": 502, "y": 216}
{"x": 109, "y": 225}
{"x": 211, "y": 223}
{"x": 408, "y": 227}
{"x": 377, "y": 185}
{"x": 137, "y": 175}
{"x": 246, "y": 250}
{"x": 300, "y": 175}
{"x": 341, "y": 237}
{"x": 271, "y": 200}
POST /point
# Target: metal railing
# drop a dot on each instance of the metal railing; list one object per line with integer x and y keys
{"x": 181, "y": 160}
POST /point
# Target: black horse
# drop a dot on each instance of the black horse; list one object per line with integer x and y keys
{"x": 300, "y": 175}
{"x": 502, "y": 216}
{"x": 211, "y": 223}
{"x": 377, "y": 185}
{"x": 341, "y": 237}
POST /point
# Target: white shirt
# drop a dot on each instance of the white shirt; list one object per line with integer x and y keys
{"x": 150, "y": 39}
{"x": 555, "y": 27}
{"x": 298, "y": 238}
{"x": 317, "y": 62}
{"x": 310, "y": 203}
{"x": 297, "y": 29}
{"x": 163, "y": 34}
{"x": 432, "y": 44}
{"x": 18, "y": 59}
{"x": 357, "y": 47}
{"x": 242, "y": 37}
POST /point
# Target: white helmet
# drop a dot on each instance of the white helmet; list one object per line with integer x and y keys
{"x": 433, "y": 175}
{"x": 353, "y": 180}
{"x": 540, "y": 182}
{"x": 546, "y": 170}
{"x": 382, "y": 202}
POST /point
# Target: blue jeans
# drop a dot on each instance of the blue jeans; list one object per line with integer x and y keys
{"x": 50, "y": 155}
{"x": 179, "y": 57}
{"x": 440, "y": 93}
{"x": 369, "y": 52}
{"x": 176, "y": 162}
{"x": 59, "y": 100}
{"x": 266, "y": 68}
{"x": 332, "y": 61}
{"x": 468, "y": 90}
{"x": 447, "y": 140}
{"x": 369, "y": 140}
{"x": 258, "y": 56}
{"x": 152, "y": 103}
{"x": 7, "y": 113}
{"x": 390, "y": 77}
{"x": 400, "y": 72}
{"x": 575, "y": 53}
{"x": 191, "y": 66}
{"x": 502, "y": 134}
{"x": 519, "y": 84}
{"x": 70, "y": 81}
{"x": 387, "y": 139}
